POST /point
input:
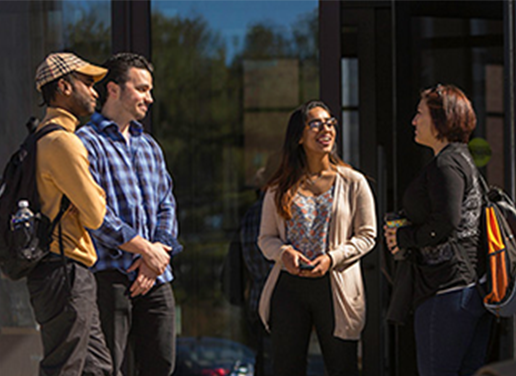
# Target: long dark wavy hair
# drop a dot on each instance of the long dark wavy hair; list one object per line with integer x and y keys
{"x": 293, "y": 167}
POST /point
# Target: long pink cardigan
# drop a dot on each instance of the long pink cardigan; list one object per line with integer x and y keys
{"x": 352, "y": 235}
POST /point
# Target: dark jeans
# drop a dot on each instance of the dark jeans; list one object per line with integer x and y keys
{"x": 73, "y": 342}
{"x": 297, "y": 305}
{"x": 142, "y": 326}
{"x": 452, "y": 334}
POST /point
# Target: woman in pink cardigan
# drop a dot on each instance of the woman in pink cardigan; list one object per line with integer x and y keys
{"x": 318, "y": 220}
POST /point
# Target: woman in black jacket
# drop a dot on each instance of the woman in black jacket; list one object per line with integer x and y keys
{"x": 443, "y": 205}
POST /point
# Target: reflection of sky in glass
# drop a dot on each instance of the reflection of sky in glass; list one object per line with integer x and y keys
{"x": 232, "y": 18}
{"x": 74, "y": 9}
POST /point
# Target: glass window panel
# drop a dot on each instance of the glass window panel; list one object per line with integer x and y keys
{"x": 469, "y": 54}
{"x": 351, "y": 137}
{"x": 349, "y": 68}
{"x": 350, "y": 120}
{"x": 29, "y": 31}
{"x": 227, "y": 76}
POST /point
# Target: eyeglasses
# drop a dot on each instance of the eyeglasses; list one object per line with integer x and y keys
{"x": 317, "y": 124}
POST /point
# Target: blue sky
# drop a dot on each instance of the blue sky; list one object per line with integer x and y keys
{"x": 232, "y": 18}
{"x": 236, "y": 13}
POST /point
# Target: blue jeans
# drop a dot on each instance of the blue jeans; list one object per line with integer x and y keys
{"x": 452, "y": 333}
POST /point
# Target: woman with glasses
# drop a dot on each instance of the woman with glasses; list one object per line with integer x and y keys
{"x": 318, "y": 220}
{"x": 443, "y": 206}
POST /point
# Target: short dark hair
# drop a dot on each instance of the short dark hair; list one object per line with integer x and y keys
{"x": 118, "y": 65}
{"x": 452, "y": 113}
{"x": 49, "y": 90}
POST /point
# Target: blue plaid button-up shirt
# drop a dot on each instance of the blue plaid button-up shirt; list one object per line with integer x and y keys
{"x": 138, "y": 192}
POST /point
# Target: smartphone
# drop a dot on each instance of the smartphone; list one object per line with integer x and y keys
{"x": 305, "y": 266}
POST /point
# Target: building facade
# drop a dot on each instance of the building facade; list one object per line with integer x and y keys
{"x": 227, "y": 76}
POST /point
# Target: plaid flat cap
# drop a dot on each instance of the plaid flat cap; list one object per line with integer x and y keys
{"x": 57, "y": 65}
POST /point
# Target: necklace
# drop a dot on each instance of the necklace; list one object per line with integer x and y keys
{"x": 310, "y": 178}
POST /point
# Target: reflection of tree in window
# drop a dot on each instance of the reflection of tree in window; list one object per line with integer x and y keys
{"x": 198, "y": 117}
{"x": 87, "y": 32}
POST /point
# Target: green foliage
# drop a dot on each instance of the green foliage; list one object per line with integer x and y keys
{"x": 88, "y": 36}
{"x": 197, "y": 113}
{"x": 198, "y": 118}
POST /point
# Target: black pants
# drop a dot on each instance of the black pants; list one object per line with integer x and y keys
{"x": 73, "y": 342}
{"x": 298, "y": 304}
{"x": 139, "y": 331}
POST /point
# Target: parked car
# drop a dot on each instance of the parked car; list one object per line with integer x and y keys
{"x": 210, "y": 356}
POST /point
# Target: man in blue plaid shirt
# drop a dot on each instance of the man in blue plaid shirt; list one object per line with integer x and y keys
{"x": 138, "y": 236}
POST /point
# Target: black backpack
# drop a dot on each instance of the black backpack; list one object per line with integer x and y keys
{"x": 498, "y": 226}
{"x": 22, "y": 249}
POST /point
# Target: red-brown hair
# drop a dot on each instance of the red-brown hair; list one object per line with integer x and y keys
{"x": 452, "y": 113}
{"x": 293, "y": 166}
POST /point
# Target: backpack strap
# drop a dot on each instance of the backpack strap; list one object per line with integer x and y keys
{"x": 484, "y": 189}
{"x": 49, "y": 128}
{"x": 65, "y": 203}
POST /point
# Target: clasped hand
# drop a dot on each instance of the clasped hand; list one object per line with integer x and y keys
{"x": 158, "y": 257}
{"x": 390, "y": 239}
{"x": 149, "y": 267}
{"x": 292, "y": 260}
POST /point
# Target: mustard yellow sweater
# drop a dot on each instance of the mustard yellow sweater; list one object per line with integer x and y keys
{"x": 62, "y": 167}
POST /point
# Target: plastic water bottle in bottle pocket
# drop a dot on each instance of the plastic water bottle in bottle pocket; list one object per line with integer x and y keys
{"x": 23, "y": 228}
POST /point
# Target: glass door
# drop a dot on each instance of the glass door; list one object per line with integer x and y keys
{"x": 447, "y": 44}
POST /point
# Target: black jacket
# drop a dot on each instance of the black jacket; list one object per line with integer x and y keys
{"x": 443, "y": 204}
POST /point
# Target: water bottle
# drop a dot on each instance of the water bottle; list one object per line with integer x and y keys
{"x": 23, "y": 217}
{"x": 22, "y": 225}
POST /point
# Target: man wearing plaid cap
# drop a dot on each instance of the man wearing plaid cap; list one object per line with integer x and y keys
{"x": 65, "y": 304}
